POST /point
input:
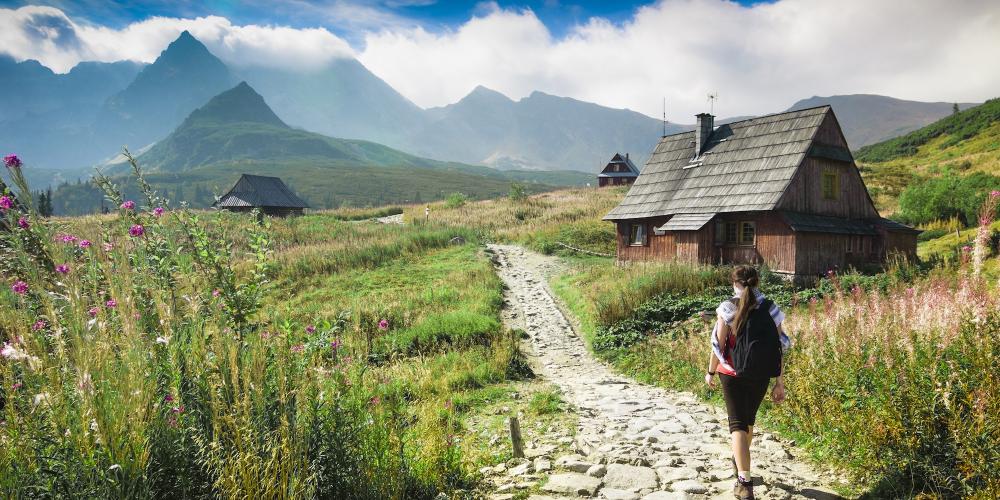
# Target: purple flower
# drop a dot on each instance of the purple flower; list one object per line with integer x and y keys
{"x": 383, "y": 325}
{"x": 966, "y": 248}
{"x": 298, "y": 348}
{"x": 12, "y": 161}
{"x": 158, "y": 211}
{"x": 66, "y": 238}
{"x": 62, "y": 269}
{"x": 128, "y": 205}
{"x": 310, "y": 329}
{"x": 375, "y": 401}
{"x": 16, "y": 386}
{"x": 93, "y": 312}
{"x": 23, "y": 223}
{"x": 168, "y": 398}
{"x": 85, "y": 243}
{"x": 177, "y": 409}
{"x": 6, "y": 202}
{"x": 39, "y": 325}
{"x": 19, "y": 287}
{"x": 111, "y": 304}
{"x": 136, "y": 231}
{"x": 335, "y": 344}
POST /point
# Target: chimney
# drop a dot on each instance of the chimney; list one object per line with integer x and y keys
{"x": 626, "y": 156}
{"x": 702, "y": 131}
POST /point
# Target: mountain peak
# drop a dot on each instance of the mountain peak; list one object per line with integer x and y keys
{"x": 240, "y": 104}
{"x": 482, "y": 93}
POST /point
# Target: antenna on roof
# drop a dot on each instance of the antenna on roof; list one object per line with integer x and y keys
{"x": 664, "y": 117}
{"x": 711, "y": 102}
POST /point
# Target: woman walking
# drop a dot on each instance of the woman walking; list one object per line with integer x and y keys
{"x": 747, "y": 348}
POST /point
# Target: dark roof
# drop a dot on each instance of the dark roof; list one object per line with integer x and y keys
{"x": 687, "y": 222}
{"x": 260, "y": 191}
{"x": 811, "y": 223}
{"x": 618, "y": 159}
{"x": 896, "y": 227}
{"x": 746, "y": 166}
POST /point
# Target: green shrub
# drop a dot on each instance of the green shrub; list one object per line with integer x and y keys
{"x": 455, "y": 200}
{"x": 517, "y": 192}
{"x": 947, "y": 196}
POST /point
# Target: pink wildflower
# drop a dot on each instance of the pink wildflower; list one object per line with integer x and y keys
{"x": 966, "y": 248}
{"x": 310, "y": 329}
{"x": 93, "y": 312}
{"x": 375, "y": 400}
{"x": 169, "y": 398}
{"x": 298, "y": 348}
{"x": 111, "y": 304}
{"x": 177, "y": 409}
{"x": 85, "y": 243}
{"x": 383, "y": 325}
{"x": 67, "y": 238}
{"x": 128, "y": 205}
{"x": 19, "y": 287}
{"x": 6, "y": 202}
{"x": 994, "y": 194}
{"x": 16, "y": 386}
{"x": 136, "y": 231}
{"x": 158, "y": 211}
{"x": 62, "y": 269}
{"x": 12, "y": 161}
{"x": 23, "y": 223}
{"x": 216, "y": 292}
{"x": 265, "y": 335}
{"x": 39, "y": 325}
{"x": 108, "y": 247}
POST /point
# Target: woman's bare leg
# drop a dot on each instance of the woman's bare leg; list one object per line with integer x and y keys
{"x": 741, "y": 450}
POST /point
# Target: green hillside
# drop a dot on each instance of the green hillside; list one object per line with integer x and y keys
{"x": 946, "y": 162}
{"x": 237, "y": 132}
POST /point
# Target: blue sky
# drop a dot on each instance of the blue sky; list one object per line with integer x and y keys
{"x": 433, "y": 15}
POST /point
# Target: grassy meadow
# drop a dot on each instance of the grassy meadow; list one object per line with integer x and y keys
{"x": 212, "y": 355}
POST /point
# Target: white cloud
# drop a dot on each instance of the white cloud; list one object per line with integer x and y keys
{"x": 49, "y": 36}
{"x": 759, "y": 59}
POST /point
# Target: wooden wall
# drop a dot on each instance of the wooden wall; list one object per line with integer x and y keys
{"x": 805, "y": 193}
{"x": 658, "y": 247}
{"x": 614, "y": 181}
{"x": 774, "y": 243}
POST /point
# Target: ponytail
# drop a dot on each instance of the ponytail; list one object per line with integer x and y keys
{"x": 748, "y": 278}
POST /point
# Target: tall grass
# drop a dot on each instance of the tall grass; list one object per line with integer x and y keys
{"x": 157, "y": 363}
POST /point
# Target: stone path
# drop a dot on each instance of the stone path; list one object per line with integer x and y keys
{"x": 633, "y": 441}
{"x": 390, "y": 219}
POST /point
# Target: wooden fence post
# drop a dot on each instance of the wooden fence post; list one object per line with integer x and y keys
{"x": 515, "y": 438}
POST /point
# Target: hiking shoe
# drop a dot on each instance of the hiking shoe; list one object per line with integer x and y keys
{"x": 743, "y": 490}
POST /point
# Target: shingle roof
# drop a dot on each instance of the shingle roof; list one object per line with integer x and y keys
{"x": 811, "y": 223}
{"x": 746, "y": 166}
{"x": 260, "y": 191}
{"x": 687, "y": 222}
{"x": 896, "y": 227}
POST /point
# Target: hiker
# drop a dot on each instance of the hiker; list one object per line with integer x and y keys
{"x": 749, "y": 328}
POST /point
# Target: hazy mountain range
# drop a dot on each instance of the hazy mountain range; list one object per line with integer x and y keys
{"x": 83, "y": 118}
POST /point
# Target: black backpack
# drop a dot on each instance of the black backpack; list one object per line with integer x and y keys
{"x": 757, "y": 353}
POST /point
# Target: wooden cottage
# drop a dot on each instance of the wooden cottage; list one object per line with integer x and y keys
{"x": 782, "y": 190}
{"x": 269, "y": 194}
{"x": 620, "y": 171}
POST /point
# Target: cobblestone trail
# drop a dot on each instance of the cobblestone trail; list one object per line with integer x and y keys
{"x": 633, "y": 441}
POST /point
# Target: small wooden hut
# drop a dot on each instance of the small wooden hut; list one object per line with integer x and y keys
{"x": 620, "y": 171}
{"x": 268, "y": 194}
{"x": 781, "y": 190}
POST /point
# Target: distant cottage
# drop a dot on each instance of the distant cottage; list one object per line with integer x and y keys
{"x": 781, "y": 189}
{"x": 269, "y": 194}
{"x": 620, "y": 171}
